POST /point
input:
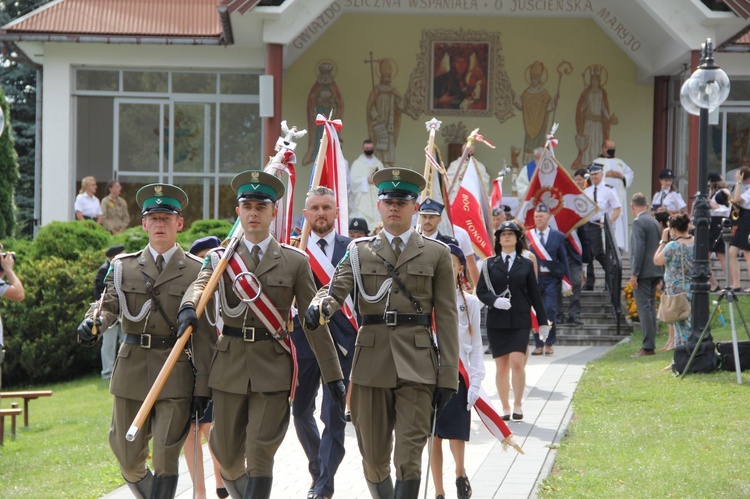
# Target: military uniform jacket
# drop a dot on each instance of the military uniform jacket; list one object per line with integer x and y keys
{"x": 264, "y": 366}
{"x": 524, "y": 293}
{"x": 136, "y": 367}
{"x": 385, "y": 354}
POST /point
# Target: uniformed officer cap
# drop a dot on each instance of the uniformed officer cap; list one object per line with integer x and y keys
{"x": 455, "y": 250}
{"x": 357, "y": 224}
{"x": 398, "y": 183}
{"x": 115, "y": 250}
{"x": 204, "y": 243}
{"x": 597, "y": 166}
{"x": 496, "y": 211}
{"x": 666, "y": 173}
{"x": 542, "y": 208}
{"x": 508, "y": 225}
{"x": 161, "y": 198}
{"x": 257, "y": 185}
{"x": 430, "y": 207}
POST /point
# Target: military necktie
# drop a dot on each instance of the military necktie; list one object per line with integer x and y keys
{"x": 507, "y": 263}
{"x": 541, "y": 238}
{"x": 323, "y": 243}
{"x": 397, "y": 246}
{"x": 595, "y": 187}
{"x": 255, "y": 255}
{"x": 160, "y": 263}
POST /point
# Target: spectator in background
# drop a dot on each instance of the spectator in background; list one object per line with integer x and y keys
{"x": 193, "y": 452}
{"x": 668, "y": 198}
{"x": 645, "y": 275}
{"x": 719, "y": 197}
{"x": 378, "y": 227}
{"x": 364, "y": 194}
{"x": 663, "y": 218}
{"x": 675, "y": 253}
{"x": 114, "y": 333}
{"x": 115, "y": 216}
{"x": 498, "y": 217}
{"x": 10, "y": 288}
{"x": 740, "y": 196}
{"x": 358, "y": 228}
{"x": 87, "y": 205}
{"x": 581, "y": 178}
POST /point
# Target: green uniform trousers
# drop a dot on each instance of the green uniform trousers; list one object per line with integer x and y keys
{"x": 168, "y": 424}
{"x": 377, "y": 412}
{"x": 247, "y": 431}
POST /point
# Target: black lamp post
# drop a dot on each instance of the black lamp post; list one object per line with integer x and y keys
{"x": 704, "y": 91}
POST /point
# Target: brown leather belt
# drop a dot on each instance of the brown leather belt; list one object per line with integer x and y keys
{"x": 249, "y": 334}
{"x": 393, "y": 318}
{"x": 150, "y": 340}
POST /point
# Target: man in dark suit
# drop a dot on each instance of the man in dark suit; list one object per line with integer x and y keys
{"x": 548, "y": 245}
{"x": 575, "y": 262}
{"x": 111, "y": 336}
{"x": 324, "y": 453}
{"x": 644, "y": 240}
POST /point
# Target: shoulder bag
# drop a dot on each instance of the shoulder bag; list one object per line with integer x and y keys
{"x": 675, "y": 308}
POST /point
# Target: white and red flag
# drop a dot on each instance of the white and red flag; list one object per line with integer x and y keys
{"x": 496, "y": 198}
{"x": 470, "y": 210}
{"x": 333, "y": 171}
{"x": 552, "y": 185}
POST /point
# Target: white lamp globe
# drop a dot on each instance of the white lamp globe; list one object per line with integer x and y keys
{"x": 708, "y": 88}
{"x": 686, "y": 102}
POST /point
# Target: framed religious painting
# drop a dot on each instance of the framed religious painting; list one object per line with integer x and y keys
{"x": 459, "y": 73}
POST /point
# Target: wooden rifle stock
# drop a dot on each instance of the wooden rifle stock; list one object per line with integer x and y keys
{"x": 178, "y": 348}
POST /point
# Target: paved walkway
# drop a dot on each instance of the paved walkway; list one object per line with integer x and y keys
{"x": 550, "y": 383}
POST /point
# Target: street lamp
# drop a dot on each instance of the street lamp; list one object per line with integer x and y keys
{"x": 704, "y": 91}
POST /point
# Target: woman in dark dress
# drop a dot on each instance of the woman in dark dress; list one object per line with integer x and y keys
{"x": 509, "y": 288}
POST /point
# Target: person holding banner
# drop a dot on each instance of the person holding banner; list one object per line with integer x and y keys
{"x": 253, "y": 373}
{"x": 399, "y": 381}
{"x": 548, "y": 245}
{"x": 508, "y": 286}
{"x": 455, "y": 422}
{"x": 324, "y": 453}
{"x": 144, "y": 290}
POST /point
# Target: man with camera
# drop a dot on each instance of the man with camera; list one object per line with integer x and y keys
{"x": 10, "y": 287}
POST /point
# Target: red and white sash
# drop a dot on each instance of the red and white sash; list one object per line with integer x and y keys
{"x": 538, "y": 248}
{"x": 264, "y": 309}
{"x": 324, "y": 270}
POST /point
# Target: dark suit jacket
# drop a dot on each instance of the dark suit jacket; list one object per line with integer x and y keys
{"x": 99, "y": 280}
{"x": 555, "y": 246}
{"x": 585, "y": 256}
{"x": 524, "y": 292}
{"x": 342, "y": 331}
{"x": 644, "y": 240}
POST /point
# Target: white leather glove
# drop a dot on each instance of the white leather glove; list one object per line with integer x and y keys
{"x": 472, "y": 396}
{"x": 502, "y": 303}
{"x": 568, "y": 292}
{"x": 543, "y": 333}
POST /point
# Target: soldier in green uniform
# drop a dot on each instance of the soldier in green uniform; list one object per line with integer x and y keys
{"x": 251, "y": 374}
{"x": 145, "y": 289}
{"x": 401, "y": 280}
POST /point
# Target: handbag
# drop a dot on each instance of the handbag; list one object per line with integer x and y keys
{"x": 675, "y": 308}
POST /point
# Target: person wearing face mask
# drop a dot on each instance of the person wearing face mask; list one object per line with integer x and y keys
{"x": 619, "y": 175}
{"x": 363, "y": 199}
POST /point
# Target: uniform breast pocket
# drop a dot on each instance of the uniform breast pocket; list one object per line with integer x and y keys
{"x": 373, "y": 276}
{"x": 421, "y": 275}
{"x": 279, "y": 287}
{"x": 135, "y": 294}
{"x": 177, "y": 291}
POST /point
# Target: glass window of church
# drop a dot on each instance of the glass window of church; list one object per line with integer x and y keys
{"x": 145, "y": 81}
{"x": 232, "y": 83}
{"x": 102, "y": 80}
{"x": 193, "y": 83}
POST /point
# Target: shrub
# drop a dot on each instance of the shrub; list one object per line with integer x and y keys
{"x": 40, "y": 332}
{"x": 134, "y": 239}
{"x": 203, "y": 228}
{"x": 67, "y": 240}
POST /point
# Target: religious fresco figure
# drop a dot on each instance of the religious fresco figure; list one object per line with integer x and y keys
{"x": 460, "y": 81}
{"x": 324, "y": 98}
{"x": 536, "y": 104}
{"x": 384, "y": 114}
{"x": 593, "y": 117}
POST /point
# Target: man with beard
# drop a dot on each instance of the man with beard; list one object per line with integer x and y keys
{"x": 324, "y": 453}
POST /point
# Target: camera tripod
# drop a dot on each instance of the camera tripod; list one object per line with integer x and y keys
{"x": 731, "y": 297}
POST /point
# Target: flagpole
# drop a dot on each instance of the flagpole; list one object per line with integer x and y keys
{"x": 432, "y": 127}
{"x": 317, "y": 173}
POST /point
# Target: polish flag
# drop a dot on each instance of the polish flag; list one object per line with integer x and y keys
{"x": 496, "y": 200}
{"x": 470, "y": 210}
{"x": 333, "y": 174}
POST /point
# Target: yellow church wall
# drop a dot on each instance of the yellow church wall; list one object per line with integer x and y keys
{"x": 581, "y": 42}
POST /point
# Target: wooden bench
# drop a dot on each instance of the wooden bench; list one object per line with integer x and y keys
{"x": 15, "y": 411}
{"x": 26, "y": 396}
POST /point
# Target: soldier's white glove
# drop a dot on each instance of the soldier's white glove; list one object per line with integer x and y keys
{"x": 502, "y": 304}
{"x": 472, "y": 396}
{"x": 543, "y": 333}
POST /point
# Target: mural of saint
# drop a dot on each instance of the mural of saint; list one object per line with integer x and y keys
{"x": 384, "y": 114}
{"x": 460, "y": 80}
{"x": 593, "y": 118}
{"x": 536, "y": 104}
{"x": 324, "y": 98}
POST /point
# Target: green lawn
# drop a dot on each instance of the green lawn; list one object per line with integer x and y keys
{"x": 637, "y": 431}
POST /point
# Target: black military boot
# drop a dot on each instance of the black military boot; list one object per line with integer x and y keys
{"x": 407, "y": 489}
{"x": 382, "y": 490}
{"x": 164, "y": 487}
{"x": 236, "y": 488}
{"x": 258, "y": 487}
{"x": 142, "y": 489}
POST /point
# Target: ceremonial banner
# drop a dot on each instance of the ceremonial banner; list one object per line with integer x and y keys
{"x": 496, "y": 200}
{"x": 552, "y": 185}
{"x": 470, "y": 210}
{"x": 282, "y": 224}
{"x": 333, "y": 172}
